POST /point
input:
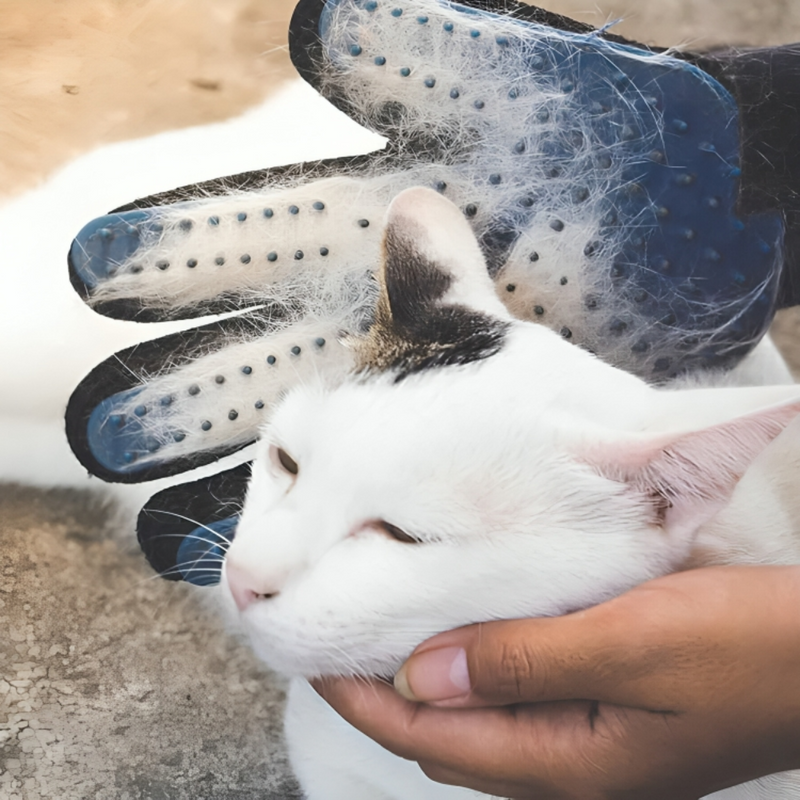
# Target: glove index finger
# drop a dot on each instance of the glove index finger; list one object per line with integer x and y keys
{"x": 232, "y": 243}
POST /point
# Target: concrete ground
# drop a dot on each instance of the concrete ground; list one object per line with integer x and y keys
{"x": 115, "y": 685}
{"x": 112, "y": 684}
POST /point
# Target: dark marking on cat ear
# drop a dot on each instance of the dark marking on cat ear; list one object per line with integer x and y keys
{"x": 410, "y": 279}
{"x": 414, "y": 330}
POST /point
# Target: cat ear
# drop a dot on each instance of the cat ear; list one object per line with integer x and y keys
{"x": 688, "y": 477}
{"x": 431, "y": 257}
{"x": 437, "y": 305}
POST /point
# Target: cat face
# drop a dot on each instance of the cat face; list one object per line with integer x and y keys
{"x": 475, "y": 467}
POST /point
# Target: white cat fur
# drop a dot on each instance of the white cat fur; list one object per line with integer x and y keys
{"x": 518, "y": 475}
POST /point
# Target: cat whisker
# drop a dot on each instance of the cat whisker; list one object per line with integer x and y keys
{"x": 193, "y": 521}
{"x": 190, "y": 571}
{"x": 202, "y": 558}
{"x": 207, "y": 558}
{"x": 350, "y": 664}
{"x": 161, "y": 576}
{"x": 177, "y": 571}
{"x": 194, "y": 536}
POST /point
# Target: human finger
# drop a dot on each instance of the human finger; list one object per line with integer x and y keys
{"x": 635, "y": 650}
{"x": 475, "y": 741}
{"x": 550, "y": 751}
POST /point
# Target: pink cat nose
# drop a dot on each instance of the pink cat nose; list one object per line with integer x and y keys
{"x": 245, "y": 587}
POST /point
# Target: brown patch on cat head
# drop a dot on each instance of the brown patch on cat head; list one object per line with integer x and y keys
{"x": 415, "y": 328}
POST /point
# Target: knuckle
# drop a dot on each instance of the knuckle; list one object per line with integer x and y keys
{"x": 413, "y": 730}
{"x": 518, "y": 671}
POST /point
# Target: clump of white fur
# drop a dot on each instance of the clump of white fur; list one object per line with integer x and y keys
{"x": 311, "y": 246}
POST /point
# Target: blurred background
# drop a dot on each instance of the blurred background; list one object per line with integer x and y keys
{"x": 78, "y": 73}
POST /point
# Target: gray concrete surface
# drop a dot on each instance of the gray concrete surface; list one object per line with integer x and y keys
{"x": 115, "y": 685}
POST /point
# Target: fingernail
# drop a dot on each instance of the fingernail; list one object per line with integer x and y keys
{"x": 434, "y": 675}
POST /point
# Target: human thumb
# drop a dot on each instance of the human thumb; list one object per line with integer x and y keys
{"x": 500, "y": 663}
{"x": 650, "y": 648}
{"x": 620, "y": 652}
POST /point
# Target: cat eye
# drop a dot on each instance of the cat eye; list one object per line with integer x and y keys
{"x": 396, "y": 533}
{"x": 286, "y": 461}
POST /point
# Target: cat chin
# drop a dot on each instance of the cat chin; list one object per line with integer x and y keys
{"x": 314, "y": 667}
{"x": 296, "y": 653}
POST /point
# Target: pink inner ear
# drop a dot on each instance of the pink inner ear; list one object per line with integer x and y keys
{"x": 688, "y": 477}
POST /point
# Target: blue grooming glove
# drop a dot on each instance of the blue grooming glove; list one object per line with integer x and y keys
{"x": 624, "y": 197}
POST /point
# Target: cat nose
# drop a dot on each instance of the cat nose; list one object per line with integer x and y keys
{"x": 246, "y": 587}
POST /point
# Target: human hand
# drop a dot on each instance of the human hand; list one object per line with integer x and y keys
{"x": 681, "y": 687}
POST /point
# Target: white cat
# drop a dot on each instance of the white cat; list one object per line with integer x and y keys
{"x": 477, "y": 467}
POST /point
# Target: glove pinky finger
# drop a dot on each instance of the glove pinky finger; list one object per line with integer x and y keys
{"x": 185, "y": 530}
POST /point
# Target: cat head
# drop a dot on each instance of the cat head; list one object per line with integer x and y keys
{"x": 474, "y": 467}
